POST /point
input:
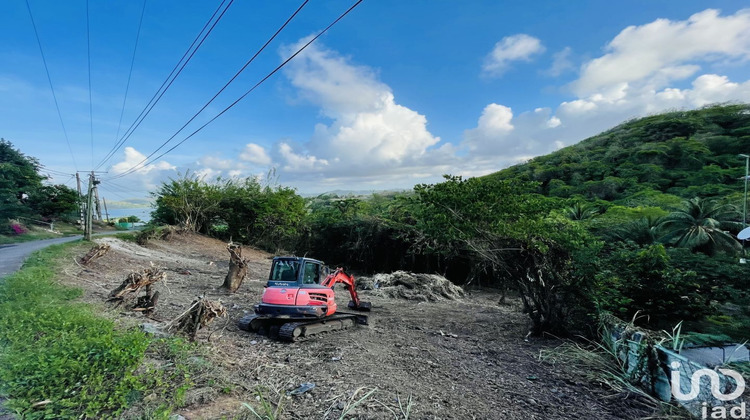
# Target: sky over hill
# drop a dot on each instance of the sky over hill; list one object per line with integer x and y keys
{"x": 394, "y": 94}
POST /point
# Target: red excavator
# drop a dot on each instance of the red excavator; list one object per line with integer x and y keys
{"x": 298, "y": 301}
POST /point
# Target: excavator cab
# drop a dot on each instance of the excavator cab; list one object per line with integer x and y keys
{"x": 291, "y": 271}
{"x": 294, "y": 290}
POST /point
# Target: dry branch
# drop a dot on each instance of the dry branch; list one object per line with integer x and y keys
{"x": 201, "y": 313}
{"x": 97, "y": 251}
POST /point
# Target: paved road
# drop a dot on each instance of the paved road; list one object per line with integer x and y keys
{"x": 12, "y": 256}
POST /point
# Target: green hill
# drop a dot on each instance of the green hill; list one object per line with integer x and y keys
{"x": 685, "y": 154}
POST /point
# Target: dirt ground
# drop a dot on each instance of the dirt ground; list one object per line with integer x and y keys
{"x": 464, "y": 359}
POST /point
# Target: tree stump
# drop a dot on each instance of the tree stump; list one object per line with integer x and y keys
{"x": 147, "y": 302}
{"x": 237, "y": 268}
{"x": 132, "y": 284}
{"x": 97, "y": 251}
{"x": 201, "y": 313}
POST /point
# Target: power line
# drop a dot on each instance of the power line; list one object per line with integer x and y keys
{"x": 91, "y": 103}
{"x": 279, "y": 67}
{"x": 247, "y": 63}
{"x": 49, "y": 79}
{"x": 54, "y": 171}
{"x": 170, "y": 78}
{"x": 130, "y": 73}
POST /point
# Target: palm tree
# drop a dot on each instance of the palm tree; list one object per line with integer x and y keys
{"x": 643, "y": 231}
{"x": 581, "y": 211}
{"x": 701, "y": 225}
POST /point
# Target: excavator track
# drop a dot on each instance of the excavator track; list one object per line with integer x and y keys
{"x": 301, "y": 330}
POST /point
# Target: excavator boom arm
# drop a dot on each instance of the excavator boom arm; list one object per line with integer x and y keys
{"x": 340, "y": 276}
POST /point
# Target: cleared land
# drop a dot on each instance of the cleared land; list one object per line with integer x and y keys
{"x": 446, "y": 359}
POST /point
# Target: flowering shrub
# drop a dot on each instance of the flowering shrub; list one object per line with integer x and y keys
{"x": 17, "y": 229}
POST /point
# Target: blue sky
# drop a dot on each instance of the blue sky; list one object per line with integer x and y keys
{"x": 396, "y": 93}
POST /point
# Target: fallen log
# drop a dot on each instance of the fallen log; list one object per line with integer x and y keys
{"x": 97, "y": 251}
{"x": 201, "y": 313}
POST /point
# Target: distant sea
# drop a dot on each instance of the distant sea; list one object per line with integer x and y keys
{"x": 142, "y": 213}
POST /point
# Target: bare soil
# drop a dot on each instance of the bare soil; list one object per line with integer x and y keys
{"x": 443, "y": 359}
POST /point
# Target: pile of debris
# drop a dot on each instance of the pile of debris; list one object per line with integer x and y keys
{"x": 411, "y": 286}
{"x": 201, "y": 313}
{"x": 132, "y": 285}
{"x": 97, "y": 251}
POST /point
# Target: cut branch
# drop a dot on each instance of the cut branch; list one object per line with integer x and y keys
{"x": 97, "y": 251}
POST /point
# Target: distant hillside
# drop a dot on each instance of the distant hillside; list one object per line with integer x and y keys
{"x": 133, "y": 203}
{"x": 685, "y": 154}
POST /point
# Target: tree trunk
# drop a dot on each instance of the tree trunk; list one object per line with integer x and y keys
{"x": 237, "y": 268}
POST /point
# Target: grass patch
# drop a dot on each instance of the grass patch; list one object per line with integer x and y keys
{"x": 59, "y": 359}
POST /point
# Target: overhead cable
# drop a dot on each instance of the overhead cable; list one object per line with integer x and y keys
{"x": 186, "y": 57}
{"x": 279, "y": 67}
{"x": 49, "y": 79}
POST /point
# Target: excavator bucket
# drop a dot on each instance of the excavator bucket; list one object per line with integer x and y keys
{"x": 363, "y": 306}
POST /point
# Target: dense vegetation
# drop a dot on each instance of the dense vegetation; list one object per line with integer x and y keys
{"x": 686, "y": 154}
{"x": 640, "y": 219}
{"x": 24, "y": 195}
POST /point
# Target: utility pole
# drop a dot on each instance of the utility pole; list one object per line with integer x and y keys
{"x": 80, "y": 201}
{"x": 96, "y": 197}
{"x": 89, "y": 208}
{"x": 106, "y": 212}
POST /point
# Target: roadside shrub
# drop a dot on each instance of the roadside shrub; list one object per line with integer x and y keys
{"x": 17, "y": 229}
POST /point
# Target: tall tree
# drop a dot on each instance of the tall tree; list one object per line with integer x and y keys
{"x": 188, "y": 201}
{"x": 22, "y": 193}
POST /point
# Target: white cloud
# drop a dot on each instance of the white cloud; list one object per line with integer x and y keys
{"x": 215, "y": 162}
{"x": 520, "y": 47}
{"x": 368, "y": 131}
{"x": 145, "y": 178}
{"x": 502, "y": 137}
{"x": 664, "y": 51}
{"x": 299, "y": 163}
{"x": 256, "y": 154}
{"x": 494, "y": 125}
{"x": 135, "y": 159}
{"x": 561, "y": 63}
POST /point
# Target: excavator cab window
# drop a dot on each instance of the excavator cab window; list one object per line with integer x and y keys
{"x": 284, "y": 270}
{"x": 311, "y": 273}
